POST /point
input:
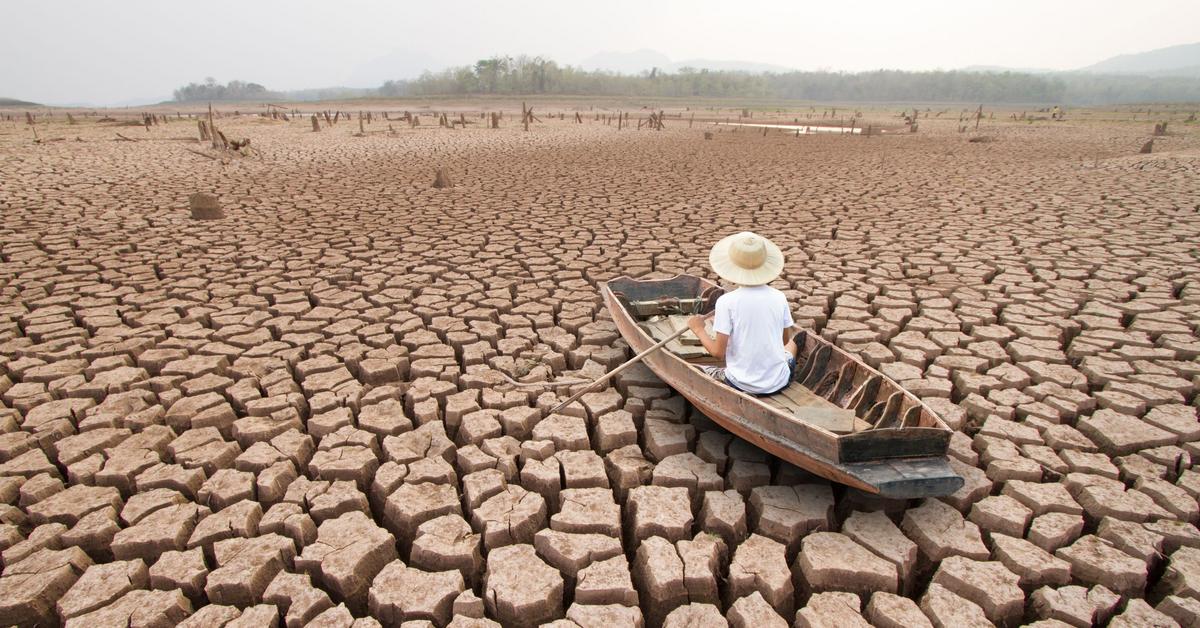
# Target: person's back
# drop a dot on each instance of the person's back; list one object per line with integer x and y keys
{"x": 753, "y": 323}
{"x": 755, "y": 358}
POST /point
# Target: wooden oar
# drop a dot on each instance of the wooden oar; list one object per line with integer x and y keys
{"x": 609, "y": 375}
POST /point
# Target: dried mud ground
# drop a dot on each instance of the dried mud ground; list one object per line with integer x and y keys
{"x": 294, "y": 416}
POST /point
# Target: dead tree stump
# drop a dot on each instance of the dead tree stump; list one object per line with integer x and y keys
{"x": 205, "y": 206}
{"x": 1147, "y": 148}
{"x": 204, "y": 136}
{"x": 441, "y": 179}
{"x": 495, "y": 120}
{"x": 1160, "y": 129}
{"x": 316, "y": 124}
{"x": 708, "y": 135}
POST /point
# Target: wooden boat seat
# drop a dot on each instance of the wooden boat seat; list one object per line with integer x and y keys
{"x": 800, "y": 402}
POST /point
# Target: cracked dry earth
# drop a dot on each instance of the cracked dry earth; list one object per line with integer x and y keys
{"x": 295, "y": 415}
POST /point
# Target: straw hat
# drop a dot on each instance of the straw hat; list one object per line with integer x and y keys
{"x": 746, "y": 259}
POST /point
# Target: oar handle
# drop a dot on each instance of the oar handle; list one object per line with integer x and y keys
{"x": 609, "y": 375}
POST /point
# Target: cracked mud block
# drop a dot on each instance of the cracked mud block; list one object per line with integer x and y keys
{"x": 658, "y": 511}
{"x": 587, "y": 510}
{"x": 29, "y": 589}
{"x": 627, "y": 468}
{"x": 446, "y": 543}
{"x": 1175, "y": 534}
{"x": 989, "y": 584}
{"x": 226, "y": 487}
{"x": 245, "y": 567}
{"x": 240, "y": 519}
{"x": 1120, "y": 434}
{"x": 413, "y": 504}
{"x": 876, "y": 532}
{"x": 787, "y": 513}
{"x": 827, "y": 610}
{"x": 1101, "y": 497}
{"x": 687, "y": 470}
{"x": 658, "y": 573}
{"x": 167, "y": 528}
{"x": 703, "y": 559}
{"x": 753, "y": 611}
{"x": 182, "y": 570}
{"x": 348, "y": 553}
{"x": 613, "y": 431}
{"x": 74, "y": 503}
{"x": 887, "y": 610}
{"x": 154, "y": 609}
{"x": 1182, "y": 576}
{"x": 661, "y": 438}
{"x": 606, "y": 582}
{"x": 604, "y": 616}
{"x": 296, "y": 598}
{"x": 699, "y": 615}
{"x": 467, "y": 604}
{"x": 1054, "y": 530}
{"x": 102, "y": 585}
{"x": 1094, "y": 561}
{"x": 947, "y": 610}
{"x": 760, "y": 564}
{"x": 1033, "y": 565}
{"x": 257, "y": 615}
{"x": 829, "y": 561}
{"x": 512, "y": 516}
{"x": 566, "y": 432}
{"x": 1184, "y": 611}
{"x": 521, "y": 590}
{"x": 1139, "y": 613}
{"x": 724, "y": 513}
{"x": 400, "y": 593}
{"x": 570, "y": 552}
{"x": 211, "y": 615}
{"x": 478, "y": 486}
{"x": 940, "y": 532}
{"x": 1074, "y": 605}
{"x": 1132, "y": 538}
{"x": 1001, "y": 514}
{"x": 582, "y": 469}
{"x": 290, "y": 520}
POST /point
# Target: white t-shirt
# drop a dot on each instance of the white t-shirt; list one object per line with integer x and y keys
{"x": 754, "y": 318}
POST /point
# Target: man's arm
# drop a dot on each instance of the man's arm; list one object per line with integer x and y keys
{"x": 715, "y": 347}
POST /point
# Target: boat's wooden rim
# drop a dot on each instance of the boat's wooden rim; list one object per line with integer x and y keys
{"x": 941, "y": 425}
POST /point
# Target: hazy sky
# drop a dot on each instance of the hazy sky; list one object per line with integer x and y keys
{"x": 107, "y": 51}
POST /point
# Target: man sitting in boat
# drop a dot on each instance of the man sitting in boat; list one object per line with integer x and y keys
{"x": 753, "y": 323}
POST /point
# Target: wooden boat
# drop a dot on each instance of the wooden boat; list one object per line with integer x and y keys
{"x": 839, "y": 418}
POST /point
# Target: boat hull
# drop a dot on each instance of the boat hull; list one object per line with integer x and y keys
{"x": 807, "y": 447}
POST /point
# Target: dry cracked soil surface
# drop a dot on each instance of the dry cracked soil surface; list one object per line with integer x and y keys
{"x": 295, "y": 415}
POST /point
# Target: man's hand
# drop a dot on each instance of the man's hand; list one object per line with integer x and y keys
{"x": 696, "y": 324}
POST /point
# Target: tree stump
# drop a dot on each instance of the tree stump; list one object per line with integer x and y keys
{"x": 205, "y": 206}
{"x": 1147, "y": 148}
{"x": 708, "y": 135}
{"x": 441, "y": 179}
{"x": 1160, "y": 129}
{"x": 316, "y": 124}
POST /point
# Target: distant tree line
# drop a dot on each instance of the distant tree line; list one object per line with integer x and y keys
{"x": 536, "y": 75}
{"x": 210, "y": 89}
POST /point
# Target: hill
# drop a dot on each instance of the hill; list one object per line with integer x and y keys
{"x": 13, "y": 102}
{"x": 1183, "y": 60}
